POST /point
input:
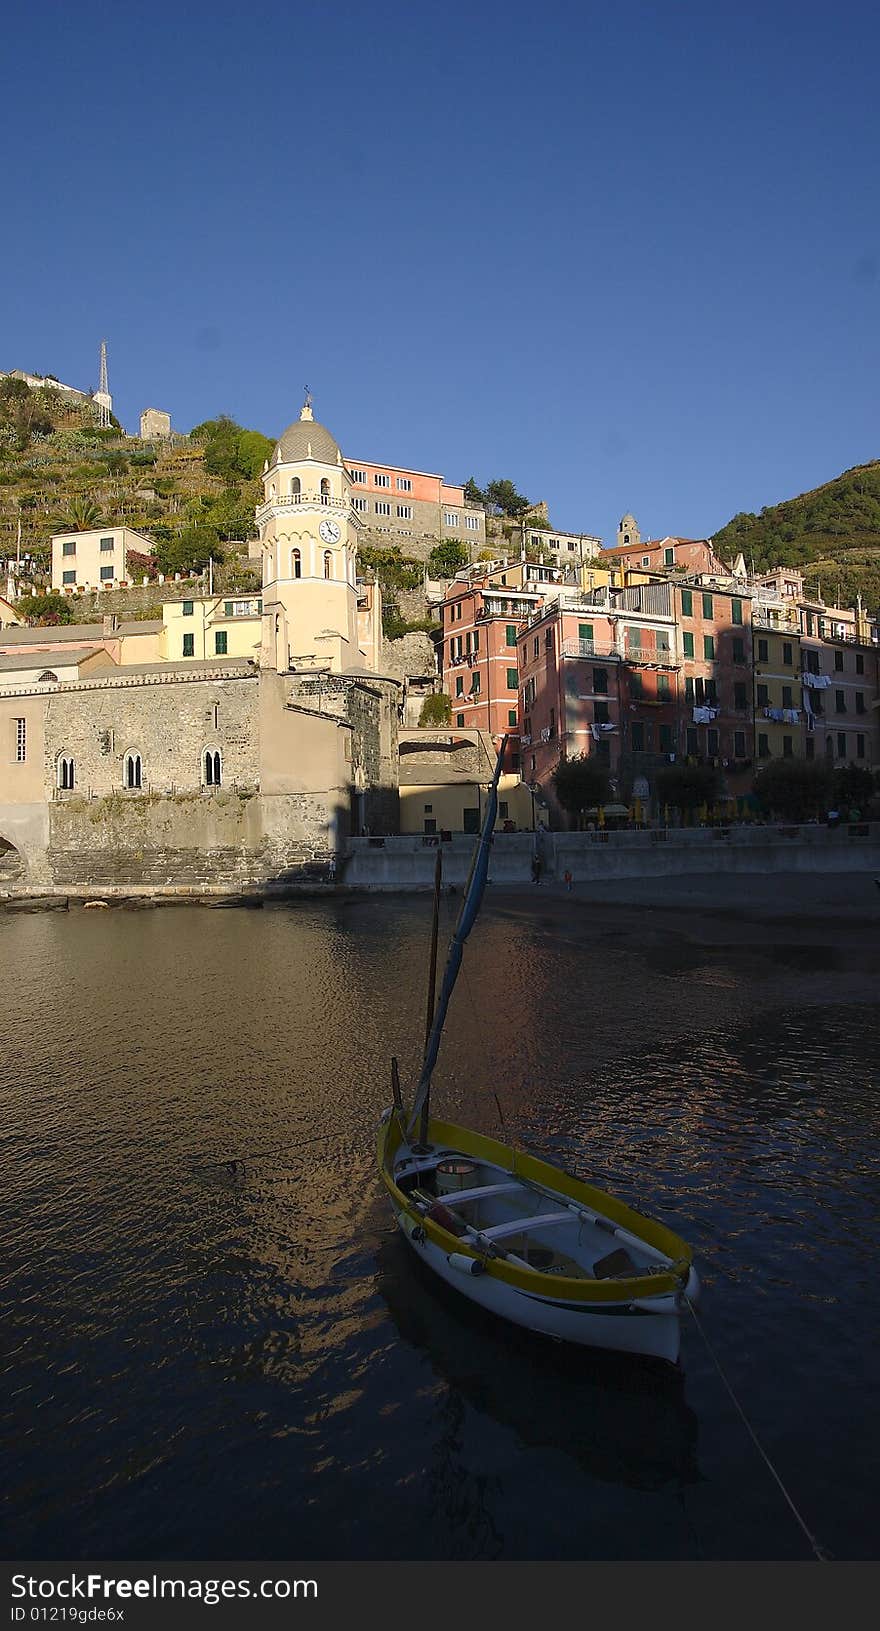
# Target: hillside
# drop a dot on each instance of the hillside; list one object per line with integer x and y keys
{"x": 59, "y": 470}
{"x": 832, "y": 533}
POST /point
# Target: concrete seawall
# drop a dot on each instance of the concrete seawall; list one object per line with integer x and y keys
{"x": 408, "y": 862}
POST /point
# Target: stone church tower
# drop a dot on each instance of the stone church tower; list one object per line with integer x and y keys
{"x": 308, "y": 531}
{"x": 628, "y": 532}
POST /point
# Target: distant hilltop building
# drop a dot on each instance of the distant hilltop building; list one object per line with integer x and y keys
{"x": 155, "y": 425}
{"x": 39, "y": 382}
{"x": 102, "y": 398}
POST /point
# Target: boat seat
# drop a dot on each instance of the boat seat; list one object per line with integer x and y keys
{"x": 522, "y": 1226}
{"x": 616, "y": 1263}
{"x": 455, "y": 1197}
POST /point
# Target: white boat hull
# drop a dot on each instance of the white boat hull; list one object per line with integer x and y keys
{"x": 635, "y": 1328}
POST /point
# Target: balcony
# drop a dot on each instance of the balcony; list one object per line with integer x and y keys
{"x": 289, "y": 501}
{"x": 589, "y": 648}
{"x": 650, "y": 657}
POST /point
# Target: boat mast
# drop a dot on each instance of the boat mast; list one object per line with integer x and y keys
{"x": 432, "y": 990}
{"x": 469, "y": 908}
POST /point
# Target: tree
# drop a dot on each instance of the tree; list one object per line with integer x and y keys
{"x": 447, "y": 558}
{"x": 580, "y": 783}
{"x": 474, "y": 494}
{"x": 48, "y": 609}
{"x": 436, "y": 709}
{"x": 794, "y": 789}
{"x": 502, "y": 498}
{"x": 686, "y": 787}
{"x": 854, "y": 787}
{"x": 81, "y": 515}
{"x": 189, "y": 551}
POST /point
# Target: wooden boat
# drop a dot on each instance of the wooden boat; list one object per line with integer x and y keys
{"x": 517, "y": 1235}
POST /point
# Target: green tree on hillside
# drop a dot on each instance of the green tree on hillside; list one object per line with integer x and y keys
{"x": 502, "y": 498}
{"x": 447, "y": 558}
{"x": 80, "y": 515}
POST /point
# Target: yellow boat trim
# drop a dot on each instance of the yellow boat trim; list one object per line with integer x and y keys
{"x": 521, "y": 1165}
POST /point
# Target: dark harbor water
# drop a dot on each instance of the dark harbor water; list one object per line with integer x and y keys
{"x": 248, "y": 1363}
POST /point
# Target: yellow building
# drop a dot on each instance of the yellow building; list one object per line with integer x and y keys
{"x": 210, "y": 626}
{"x": 779, "y": 717}
{"x": 444, "y": 781}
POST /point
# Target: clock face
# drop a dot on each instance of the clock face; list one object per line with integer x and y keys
{"x": 329, "y": 532}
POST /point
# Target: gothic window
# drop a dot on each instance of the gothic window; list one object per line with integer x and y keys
{"x": 65, "y": 774}
{"x": 133, "y": 770}
{"x": 212, "y": 769}
{"x": 296, "y": 563}
{"x": 328, "y": 564}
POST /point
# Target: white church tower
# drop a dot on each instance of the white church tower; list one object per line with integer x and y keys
{"x": 308, "y": 532}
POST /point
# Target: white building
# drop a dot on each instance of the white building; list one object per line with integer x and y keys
{"x": 95, "y": 559}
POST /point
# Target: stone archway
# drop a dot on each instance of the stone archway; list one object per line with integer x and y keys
{"x": 13, "y": 866}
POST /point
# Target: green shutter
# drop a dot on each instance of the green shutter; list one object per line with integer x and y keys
{"x": 220, "y": 643}
{"x": 687, "y": 603}
{"x": 512, "y": 679}
{"x": 585, "y": 631}
{"x": 227, "y": 608}
{"x": 187, "y": 608}
{"x": 708, "y": 647}
{"x": 736, "y": 611}
{"x": 688, "y": 641}
{"x": 707, "y": 606}
{"x": 188, "y": 644}
{"x": 511, "y": 634}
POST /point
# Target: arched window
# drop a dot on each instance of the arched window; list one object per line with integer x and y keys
{"x": 328, "y": 564}
{"x": 296, "y": 489}
{"x": 47, "y": 677}
{"x": 296, "y": 563}
{"x": 66, "y": 774}
{"x": 133, "y": 770}
{"x": 212, "y": 769}
{"x": 325, "y": 490}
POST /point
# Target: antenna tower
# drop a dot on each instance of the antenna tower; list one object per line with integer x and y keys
{"x": 103, "y": 396}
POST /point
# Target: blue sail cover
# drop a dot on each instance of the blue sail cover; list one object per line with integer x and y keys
{"x": 470, "y": 906}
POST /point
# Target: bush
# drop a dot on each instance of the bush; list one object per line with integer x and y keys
{"x": 436, "y": 709}
{"x": 48, "y": 609}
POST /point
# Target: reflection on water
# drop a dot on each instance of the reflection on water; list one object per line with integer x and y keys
{"x": 215, "y": 1343}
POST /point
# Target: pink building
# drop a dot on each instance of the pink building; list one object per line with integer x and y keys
{"x": 481, "y": 622}
{"x": 414, "y": 508}
{"x": 667, "y": 555}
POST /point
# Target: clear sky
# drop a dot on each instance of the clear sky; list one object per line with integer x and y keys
{"x": 627, "y": 255}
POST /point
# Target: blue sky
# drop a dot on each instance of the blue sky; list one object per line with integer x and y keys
{"x": 627, "y": 255}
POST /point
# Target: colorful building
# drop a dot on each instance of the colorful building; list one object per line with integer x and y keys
{"x": 413, "y": 509}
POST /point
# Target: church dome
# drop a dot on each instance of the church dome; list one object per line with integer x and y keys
{"x": 306, "y": 439}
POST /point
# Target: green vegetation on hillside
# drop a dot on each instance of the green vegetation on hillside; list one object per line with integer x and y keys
{"x": 60, "y": 471}
{"x": 832, "y": 533}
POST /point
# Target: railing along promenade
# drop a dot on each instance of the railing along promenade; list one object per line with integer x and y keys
{"x": 407, "y": 861}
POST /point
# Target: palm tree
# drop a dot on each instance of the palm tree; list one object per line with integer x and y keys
{"x": 80, "y": 516}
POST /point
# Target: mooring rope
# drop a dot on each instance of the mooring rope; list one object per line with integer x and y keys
{"x": 819, "y": 1552}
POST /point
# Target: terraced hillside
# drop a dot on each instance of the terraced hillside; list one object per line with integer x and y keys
{"x": 59, "y": 469}
{"x": 831, "y": 532}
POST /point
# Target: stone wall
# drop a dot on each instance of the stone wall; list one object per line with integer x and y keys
{"x": 412, "y": 656}
{"x": 209, "y": 840}
{"x": 168, "y": 719}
